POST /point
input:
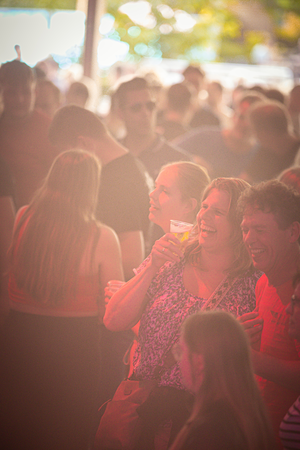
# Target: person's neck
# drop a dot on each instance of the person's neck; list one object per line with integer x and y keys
{"x": 136, "y": 144}
{"x": 288, "y": 267}
{"x": 110, "y": 149}
{"x": 216, "y": 262}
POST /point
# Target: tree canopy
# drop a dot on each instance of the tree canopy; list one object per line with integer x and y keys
{"x": 196, "y": 30}
{"x": 199, "y": 30}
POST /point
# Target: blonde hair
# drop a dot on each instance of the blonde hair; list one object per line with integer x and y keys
{"x": 193, "y": 179}
{"x": 52, "y": 234}
{"x": 242, "y": 261}
{"x": 227, "y": 376}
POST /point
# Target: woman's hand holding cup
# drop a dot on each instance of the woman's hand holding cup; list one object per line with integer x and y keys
{"x": 165, "y": 249}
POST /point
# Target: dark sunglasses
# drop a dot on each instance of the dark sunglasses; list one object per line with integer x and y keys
{"x": 137, "y": 107}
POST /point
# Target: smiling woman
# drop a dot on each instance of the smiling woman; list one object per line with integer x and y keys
{"x": 174, "y": 284}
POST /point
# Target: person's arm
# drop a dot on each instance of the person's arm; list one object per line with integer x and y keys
{"x": 284, "y": 373}
{"x": 133, "y": 251}
{"x": 126, "y": 306}
{"x": 108, "y": 259}
{"x": 111, "y": 263}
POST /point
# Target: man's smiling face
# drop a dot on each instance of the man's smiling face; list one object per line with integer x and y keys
{"x": 265, "y": 241}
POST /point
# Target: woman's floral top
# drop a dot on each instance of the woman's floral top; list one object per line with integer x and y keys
{"x": 170, "y": 303}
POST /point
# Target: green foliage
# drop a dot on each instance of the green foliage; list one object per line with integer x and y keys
{"x": 213, "y": 22}
{"x": 217, "y": 34}
{"x": 216, "y": 28}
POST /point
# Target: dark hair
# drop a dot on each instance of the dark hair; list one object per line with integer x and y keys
{"x": 251, "y": 98}
{"x": 216, "y": 85}
{"x": 16, "y": 72}
{"x": 193, "y": 69}
{"x": 134, "y": 84}
{"x": 271, "y": 117}
{"x": 275, "y": 94}
{"x": 180, "y": 96}
{"x": 72, "y": 121}
{"x": 77, "y": 88}
{"x": 242, "y": 261}
{"x": 291, "y": 177}
{"x": 275, "y": 197}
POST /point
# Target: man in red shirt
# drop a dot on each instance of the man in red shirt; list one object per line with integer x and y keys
{"x": 271, "y": 230}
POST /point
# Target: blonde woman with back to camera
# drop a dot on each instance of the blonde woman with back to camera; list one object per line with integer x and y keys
{"x": 61, "y": 260}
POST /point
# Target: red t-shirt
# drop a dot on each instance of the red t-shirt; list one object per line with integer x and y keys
{"x": 275, "y": 341}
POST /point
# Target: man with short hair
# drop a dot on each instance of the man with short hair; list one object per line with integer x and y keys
{"x": 226, "y": 152}
{"x": 271, "y": 230}
{"x": 24, "y": 143}
{"x": 203, "y": 116}
{"x": 137, "y": 109}
{"x": 277, "y": 145}
{"x": 179, "y": 109}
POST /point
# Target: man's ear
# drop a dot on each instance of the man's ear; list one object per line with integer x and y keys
{"x": 294, "y": 231}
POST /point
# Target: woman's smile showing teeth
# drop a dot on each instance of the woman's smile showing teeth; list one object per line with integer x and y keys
{"x": 207, "y": 229}
{"x": 256, "y": 251}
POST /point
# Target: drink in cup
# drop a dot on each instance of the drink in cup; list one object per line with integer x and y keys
{"x": 181, "y": 229}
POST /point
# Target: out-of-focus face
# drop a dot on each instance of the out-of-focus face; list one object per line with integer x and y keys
{"x": 18, "y": 100}
{"x": 46, "y": 101}
{"x": 213, "y": 223}
{"x": 294, "y": 310}
{"x": 241, "y": 122}
{"x": 265, "y": 242}
{"x": 191, "y": 366}
{"x": 166, "y": 201}
{"x": 195, "y": 79}
{"x": 139, "y": 113}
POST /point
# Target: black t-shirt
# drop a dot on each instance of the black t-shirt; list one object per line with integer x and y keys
{"x": 266, "y": 165}
{"x": 123, "y": 201}
{"x": 203, "y": 117}
{"x": 160, "y": 153}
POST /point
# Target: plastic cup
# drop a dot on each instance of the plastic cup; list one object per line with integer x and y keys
{"x": 180, "y": 229}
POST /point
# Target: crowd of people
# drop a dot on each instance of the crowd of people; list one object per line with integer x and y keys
{"x": 86, "y": 204}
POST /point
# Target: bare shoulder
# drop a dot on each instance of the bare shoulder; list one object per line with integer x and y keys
{"x": 108, "y": 240}
{"x": 107, "y": 235}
